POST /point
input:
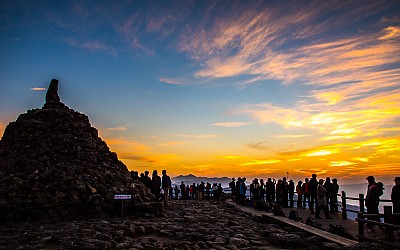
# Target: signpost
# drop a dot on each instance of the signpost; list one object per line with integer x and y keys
{"x": 122, "y": 197}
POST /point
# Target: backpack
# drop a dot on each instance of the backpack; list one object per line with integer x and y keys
{"x": 311, "y": 222}
{"x": 294, "y": 215}
{"x": 277, "y": 210}
{"x": 341, "y": 231}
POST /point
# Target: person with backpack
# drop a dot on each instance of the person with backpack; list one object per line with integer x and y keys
{"x": 322, "y": 205}
{"x": 372, "y": 199}
{"x": 299, "y": 194}
{"x": 395, "y": 196}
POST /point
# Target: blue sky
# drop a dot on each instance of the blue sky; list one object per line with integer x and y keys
{"x": 217, "y": 88}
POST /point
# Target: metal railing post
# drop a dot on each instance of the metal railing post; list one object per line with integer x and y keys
{"x": 344, "y": 207}
{"x": 361, "y": 202}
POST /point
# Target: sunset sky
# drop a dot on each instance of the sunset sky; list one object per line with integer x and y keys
{"x": 217, "y": 88}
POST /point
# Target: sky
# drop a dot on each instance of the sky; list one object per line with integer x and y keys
{"x": 217, "y": 88}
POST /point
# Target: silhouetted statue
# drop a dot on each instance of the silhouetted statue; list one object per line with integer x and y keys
{"x": 52, "y": 92}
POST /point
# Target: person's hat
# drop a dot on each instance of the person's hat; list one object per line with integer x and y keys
{"x": 370, "y": 178}
{"x": 397, "y": 179}
{"x": 321, "y": 180}
{"x": 380, "y": 184}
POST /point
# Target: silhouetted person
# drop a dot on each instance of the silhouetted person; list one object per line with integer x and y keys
{"x": 176, "y": 191}
{"x": 201, "y": 190}
{"x": 156, "y": 185}
{"x": 183, "y": 191}
{"x": 395, "y": 196}
{"x": 243, "y": 189}
{"x": 299, "y": 192}
{"x": 262, "y": 191}
{"x": 321, "y": 196}
{"x": 285, "y": 192}
{"x": 232, "y": 186}
{"x": 329, "y": 193}
{"x": 166, "y": 185}
{"x": 306, "y": 193}
{"x": 335, "y": 194}
{"x": 270, "y": 191}
{"x": 312, "y": 187}
{"x": 291, "y": 193}
{"x": 146, "y": 179}
{"x": 135, "y": 175}
{"x": 237, "y": 188}
{"x": 372, "y": 199}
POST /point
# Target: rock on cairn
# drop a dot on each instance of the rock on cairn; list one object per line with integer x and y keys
{"x": 54, "y": 165}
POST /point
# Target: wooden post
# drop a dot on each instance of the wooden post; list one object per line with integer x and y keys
{"x": 360, "y": 215}
{"x": 361, "y": 202}
{"x": 388, "y": 218}
{"x": 344, "y": 207}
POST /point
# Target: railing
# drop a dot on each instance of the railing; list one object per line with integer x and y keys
{"x": 372, "y": 219}
{"x": 361, "y": 204}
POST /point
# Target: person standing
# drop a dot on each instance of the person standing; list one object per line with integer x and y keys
{"x": 312, "y": 187}
{"x": 299, "y": 192}
{"x": 291, "y": 193}
{"x": 306, "y": 193}
{"x": 166, "y": 186}
{"x": 243, "y": 189}
{"x": 285, "y": 192}
{"x": 372, "y": 198}
{"x": 233, "y": 188}
{"x": 395, "y": 196}
{"x": 182, "y": 187}
{"x": 322, "y": 202}
{"x": 335, "y": 194}
{"x": 156, "y": 185}
{"x": 329, "y": 194}
{"x": 262, "y": 191}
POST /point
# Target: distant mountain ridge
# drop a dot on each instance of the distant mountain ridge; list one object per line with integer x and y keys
{"x": 190, "y": 179}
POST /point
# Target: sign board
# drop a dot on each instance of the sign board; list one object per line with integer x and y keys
{"x": 122, "y": 197}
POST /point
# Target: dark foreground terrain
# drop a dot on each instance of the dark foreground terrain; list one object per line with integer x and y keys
{"x": 183, "y": 225}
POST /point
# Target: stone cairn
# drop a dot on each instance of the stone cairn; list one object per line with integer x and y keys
{"x": 53, "y": 165}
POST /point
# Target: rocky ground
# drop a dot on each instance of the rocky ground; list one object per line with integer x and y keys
{"x": 189, "y": 224}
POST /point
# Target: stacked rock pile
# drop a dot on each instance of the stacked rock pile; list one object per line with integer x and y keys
{"x": 54, "y": 165}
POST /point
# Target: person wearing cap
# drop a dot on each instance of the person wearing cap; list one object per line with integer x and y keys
{"x": 395, "y": 196}
{"x": 372, "y": 198}
{"x": 321, "y": 200}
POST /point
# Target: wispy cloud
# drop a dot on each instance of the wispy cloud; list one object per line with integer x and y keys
{"x": 260, "y": 162}
{"x": 230, "y": 124}
{"x": 171, "y": 143}
{"x": 291, "y": 136}
{"x": 94, "y": 46}
{"x": 120, "y": 128}
{"x": 259, "y": 146}
{"x": 38, "y": 89}
{"x": 199, "y": 136}
{"x": 172, "y": 81}
{"x": 391, "y": 32}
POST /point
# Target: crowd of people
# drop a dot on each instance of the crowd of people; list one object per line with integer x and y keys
{"x": 162, "y": 188}
{"x": 317, "y": 195}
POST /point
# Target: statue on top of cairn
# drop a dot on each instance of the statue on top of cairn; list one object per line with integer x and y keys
{"x": 52, "y": 98}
